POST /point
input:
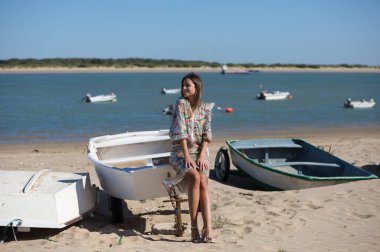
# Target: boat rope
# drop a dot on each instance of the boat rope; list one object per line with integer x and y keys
{"x": 11, "y": 225}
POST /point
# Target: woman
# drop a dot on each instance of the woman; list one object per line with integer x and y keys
{"x": 190, "y": 133}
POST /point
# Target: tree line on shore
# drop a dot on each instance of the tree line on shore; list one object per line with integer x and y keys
{"x": 149, "y": 63}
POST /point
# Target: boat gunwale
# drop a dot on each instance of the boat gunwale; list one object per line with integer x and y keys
{"x": 128, "y": 138}
{"x": 303, "y": 177}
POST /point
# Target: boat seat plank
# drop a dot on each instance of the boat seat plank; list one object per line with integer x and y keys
{"x": 134, "y": 158}
{"x": 264, "y": 144}
{"x": 302, "y": 163}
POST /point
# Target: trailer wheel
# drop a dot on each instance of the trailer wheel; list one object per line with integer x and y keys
{"x": 222, "y": 164}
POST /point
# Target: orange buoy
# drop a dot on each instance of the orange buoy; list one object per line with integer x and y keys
{"x": 229, "y": 110}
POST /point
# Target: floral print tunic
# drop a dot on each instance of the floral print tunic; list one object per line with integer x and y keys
{"x": 192, "y": 126}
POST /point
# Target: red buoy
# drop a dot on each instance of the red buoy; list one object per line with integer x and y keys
{"x": 229, "y": 110}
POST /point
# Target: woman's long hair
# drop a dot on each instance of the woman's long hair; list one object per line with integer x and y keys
{"x": 198, "y": 89}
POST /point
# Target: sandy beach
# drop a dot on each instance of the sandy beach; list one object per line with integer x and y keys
{"x": 344, "y": 217}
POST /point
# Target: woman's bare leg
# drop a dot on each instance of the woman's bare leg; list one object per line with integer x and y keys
{"x": 193, "y": 179}
{"x": 205, "y": 204}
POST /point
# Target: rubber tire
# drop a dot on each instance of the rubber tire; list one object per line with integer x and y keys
{"x": 222, "y": 160}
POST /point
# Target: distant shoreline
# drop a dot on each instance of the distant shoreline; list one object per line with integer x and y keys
{"x": 180, "y": 70}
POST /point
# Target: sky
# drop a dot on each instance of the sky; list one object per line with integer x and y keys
{"x": 239, "y": 31}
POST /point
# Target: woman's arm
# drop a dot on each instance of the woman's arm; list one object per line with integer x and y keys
{"x": 202, "y": 164}
{"x": 206, "y": 139}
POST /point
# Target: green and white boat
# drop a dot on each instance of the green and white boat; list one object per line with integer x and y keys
{"x": 286, "y": 164}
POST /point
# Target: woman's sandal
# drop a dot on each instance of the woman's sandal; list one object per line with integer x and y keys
{"x": 195, "y": 237}
{"x": 205, "y": 237}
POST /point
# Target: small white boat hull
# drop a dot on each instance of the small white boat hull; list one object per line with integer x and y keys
{"x": 171, "y": 91}
{"x": 360, "y": 104}
{"x": 140, "y": 185}
{"x": 276, "y": 180}
{"x": 100, "y": 98}
{"x": 45, "y": 199}
{"x": 273, "y": 95}
{"x": 132, "y": 165}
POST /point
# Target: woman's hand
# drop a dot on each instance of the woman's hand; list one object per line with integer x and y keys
{"x": 202, "y": 164}
{"x": 189, "y": 162}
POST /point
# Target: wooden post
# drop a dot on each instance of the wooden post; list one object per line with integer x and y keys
{"x": 180, "y": 229}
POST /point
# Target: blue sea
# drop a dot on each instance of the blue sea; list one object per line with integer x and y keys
{"x": 48, "y": 107}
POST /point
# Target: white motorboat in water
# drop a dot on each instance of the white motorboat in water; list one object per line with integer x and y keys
{"x": 276, "y": 95}
{"x": 359, "y": 104}
{"x": 44, "y": 199}
{"x": 170, "y": 91}
{"x": 132, "y": 165}
{"x": 225, "y": 70}
{"x": 100, "y": 98}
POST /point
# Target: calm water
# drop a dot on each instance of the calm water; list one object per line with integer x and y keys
{"x": 48, "y": 107}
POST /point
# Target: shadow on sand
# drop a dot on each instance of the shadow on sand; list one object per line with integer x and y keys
{"x": 374, "y": 169}
{"x": 238, "y": 179}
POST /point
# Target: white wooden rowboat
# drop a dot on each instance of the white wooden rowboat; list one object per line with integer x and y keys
{"x": 286, "y": 164}
{"x": 44, "y": 199}
{"x": 132, "y": 165}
